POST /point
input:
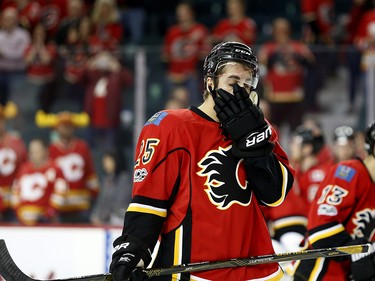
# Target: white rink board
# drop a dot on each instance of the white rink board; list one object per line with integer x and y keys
{"x": 60, "y": 252}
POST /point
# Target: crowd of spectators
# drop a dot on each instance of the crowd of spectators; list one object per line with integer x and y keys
{"x": 73, "y": 49}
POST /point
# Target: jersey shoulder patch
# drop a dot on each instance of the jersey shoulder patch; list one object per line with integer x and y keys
{"x": 345, "y": 172}
{"x": 156, "y": 118}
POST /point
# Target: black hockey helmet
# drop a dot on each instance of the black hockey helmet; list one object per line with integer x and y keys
{"x": 343, "y": 134}
{"x": 307, "y": 137}
{"x": 370, "y": 138}
{"x": 231, "y": 52}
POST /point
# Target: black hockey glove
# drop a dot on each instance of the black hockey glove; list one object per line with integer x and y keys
{"x": 363, "y": 265}
{"x": 129, "y": 253}
{"x": 243, "y": 120}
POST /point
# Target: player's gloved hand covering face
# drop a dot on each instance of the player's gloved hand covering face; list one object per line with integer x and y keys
{"x": 243, "y": 120}
{"x": 128, "y": 254}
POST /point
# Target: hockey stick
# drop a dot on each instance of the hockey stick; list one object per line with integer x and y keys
{"x": 10, "y": 271}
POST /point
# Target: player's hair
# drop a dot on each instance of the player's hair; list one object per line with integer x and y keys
{"x": 370, "y": 138}
{"x": 230, "y": 52}
{"x": 43, "y": 141}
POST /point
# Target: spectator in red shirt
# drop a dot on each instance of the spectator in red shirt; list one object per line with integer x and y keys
{"x": 53, "y": 11}
{"x": 107, "y": 29}
{"x": 236, "y": 26}
{"x": 285, "y": 61}
{"x": 29, "y": 12}
{"x": 185, "y": 45}
{"x": 105, "y": 79}
{"x": 41, "y": 58}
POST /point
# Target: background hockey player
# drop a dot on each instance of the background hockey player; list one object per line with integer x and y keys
{"x": 343, "y": 213}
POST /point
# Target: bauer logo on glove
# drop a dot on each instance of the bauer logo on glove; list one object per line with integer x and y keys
{"x": 258, "y": 137}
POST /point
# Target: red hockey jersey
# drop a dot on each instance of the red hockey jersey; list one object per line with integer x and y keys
{"x": 12, "y": 155}
{"x": 78, "y": 168}
{"x": 38, "y": 192}
{"x": 344, "y": 205}
{"x": 309, "y": 182}
{"x": 39, "y": 71}
{"x": 186, "y": 175}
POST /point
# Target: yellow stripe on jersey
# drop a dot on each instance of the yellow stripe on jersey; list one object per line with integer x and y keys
{"x": 284, "y": 186}
{"x": 293, "y": 220}
{"x": 177, "y": 259}
{"x": 326, "y": 233}
{"x": 317, "y": 269}
{"x": 147, "y": 209}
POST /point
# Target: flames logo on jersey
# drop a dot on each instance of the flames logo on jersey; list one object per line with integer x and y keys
{"x": 365, "y": 224}
{"x": 225, "y": 179}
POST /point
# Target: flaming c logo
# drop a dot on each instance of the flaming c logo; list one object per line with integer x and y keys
{"x": 225, "y": 179}
{"x": 365, "y": 224}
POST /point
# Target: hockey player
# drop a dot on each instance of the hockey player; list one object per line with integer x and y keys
{"x": 310, "y": 171}
{"x": 72, "y": 154}
{"x": 343, "y": 213}
{"x": 39, "y": 189}
{"x": 200, "y": 175}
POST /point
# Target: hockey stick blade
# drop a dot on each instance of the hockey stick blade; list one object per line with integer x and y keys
{"x": 10, "y": 272}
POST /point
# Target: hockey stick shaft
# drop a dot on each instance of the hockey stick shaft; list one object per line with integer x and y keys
{"x": 10, "y": 271}
{"x": 272, "y": 258}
